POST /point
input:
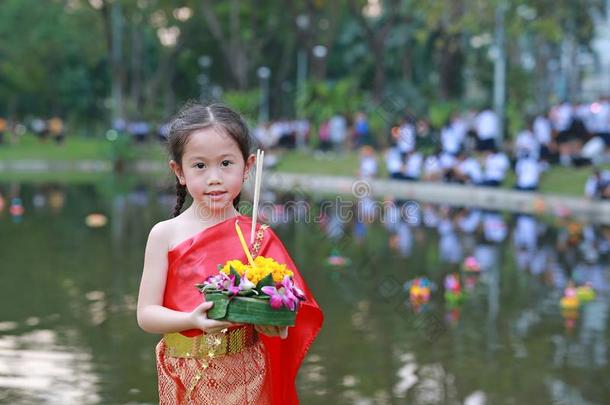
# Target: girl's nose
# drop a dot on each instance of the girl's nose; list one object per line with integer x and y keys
{"x": 214, "y": 178}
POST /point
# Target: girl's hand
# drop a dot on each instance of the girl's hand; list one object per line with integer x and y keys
{"x": 199, "y": 319}
{"x": 281, "y": 331}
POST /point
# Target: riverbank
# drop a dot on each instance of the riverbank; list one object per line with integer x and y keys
{"x": 331, "y": 186}
{"x": 83, "y": 157}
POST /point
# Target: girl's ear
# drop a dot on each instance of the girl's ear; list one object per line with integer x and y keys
{"x": 177, "y": 169}
{"x": 249, "y": 164}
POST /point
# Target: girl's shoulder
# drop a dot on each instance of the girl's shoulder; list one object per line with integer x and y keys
{"x": 163, "y": 233}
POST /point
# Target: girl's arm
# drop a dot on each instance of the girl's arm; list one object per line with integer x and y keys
{"x": 153, "y": 317}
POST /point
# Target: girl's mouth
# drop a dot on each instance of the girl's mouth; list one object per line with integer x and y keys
{"x": 216, "y": 195}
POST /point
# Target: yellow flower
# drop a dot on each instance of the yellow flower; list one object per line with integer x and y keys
{"x": 278, "y": 271}
{"x": 263, "y": 266}
{"x": 239, "y": 267}
{"x": 256, "y": 274}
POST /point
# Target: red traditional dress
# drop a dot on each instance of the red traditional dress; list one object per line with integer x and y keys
{"x": 238, "y": 366}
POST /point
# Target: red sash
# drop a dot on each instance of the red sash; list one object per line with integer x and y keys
{"x": 198, "y": 257}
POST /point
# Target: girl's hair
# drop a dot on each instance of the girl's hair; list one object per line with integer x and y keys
{"x": 194, "y": 117}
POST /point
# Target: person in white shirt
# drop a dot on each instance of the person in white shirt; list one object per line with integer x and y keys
{"x": 338, "y": 131}
{"x": 495, "y": 167}
{"x": 368, "y": 162}
{"x": 413, "y": 166}
{"x": 528, "y": 171}
{"x": 542, "y": 130}
{"x": 433, "y": 170}
{"x": 405, "y": 136}
{"x": 453, "y": 134}
{"x": 265, "y": 136}
{"x": 468, "y": 170}
{"x": 598, "y": 185}
{"x": 460, "y": 125}
{"x": 601, "y": 118}
{"x": 526, "y": 144}
{"x": 394, "y": 163}
{"x": 448, "y": 163}
{"x": 487, "y": 127}
{"x": 583, "y": 113}
{"x": 561, "y": 116}
{"x": 544, "y": 134}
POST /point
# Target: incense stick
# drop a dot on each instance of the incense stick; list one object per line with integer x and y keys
{"x": 260, "y": 156}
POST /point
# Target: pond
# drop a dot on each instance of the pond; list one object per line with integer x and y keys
{"x": 68, "y": 331}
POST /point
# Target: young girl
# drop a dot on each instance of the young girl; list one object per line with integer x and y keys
{"x": 199, "y": 360}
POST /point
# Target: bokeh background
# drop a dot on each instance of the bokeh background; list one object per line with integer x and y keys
{"x": 439, "y": 170}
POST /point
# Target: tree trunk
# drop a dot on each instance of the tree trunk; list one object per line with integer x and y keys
{"x": 233, "y": 50}
{"x": 379, "y": 76}
{"x": 113, "y": 27}
{"x": 375, "y": 38}
{"x": 450, "y": 83}
{"x": 136, "y": 66}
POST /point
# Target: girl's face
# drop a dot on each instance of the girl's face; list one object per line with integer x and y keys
{"x": 213, "y": 170}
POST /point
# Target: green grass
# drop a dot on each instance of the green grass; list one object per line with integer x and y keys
{"x": 305, "y": 163}
{"x": 54, "y": 177}
{"x": 566, "y": 180}
{"x": 559, "y": 180}
{"x": 73, "y": 148}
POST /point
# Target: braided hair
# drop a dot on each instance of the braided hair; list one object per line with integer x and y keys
{"x": 180, "y": 197}
{"x": 195, "y": 116}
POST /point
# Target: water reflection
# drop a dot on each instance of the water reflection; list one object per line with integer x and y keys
{"x": 35, "y": 369}
{"x": 507, "y": 328}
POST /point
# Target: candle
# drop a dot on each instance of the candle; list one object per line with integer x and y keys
{"x": 243, "y": 243}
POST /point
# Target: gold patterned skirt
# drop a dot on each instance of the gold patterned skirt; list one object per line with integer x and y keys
{"x": 222, "y": 368}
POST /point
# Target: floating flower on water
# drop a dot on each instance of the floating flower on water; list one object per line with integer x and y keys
{"x": 96, "y": 220}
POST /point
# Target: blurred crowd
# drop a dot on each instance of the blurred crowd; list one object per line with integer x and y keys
{"x": 43, "y": 128}
{"x": 468, "y": 148}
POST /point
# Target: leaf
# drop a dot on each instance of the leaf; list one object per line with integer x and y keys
{"x": 247, "y": 293}
{"x": 265, "y": 281}
{"x": 237, "y": 276}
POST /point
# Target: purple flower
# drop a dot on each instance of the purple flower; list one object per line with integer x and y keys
{"x": 283, "y": 294}
{"x": 232, "y": 288}
{"x": 297, "y": 292}
{"x": 217, "y": 281}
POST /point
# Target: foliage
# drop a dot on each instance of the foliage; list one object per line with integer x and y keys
{"x": 440, "y": 113}
{"x": 321, "y": 100}
{"x": 247, "y": 102}
{"x": 94, "y": 60}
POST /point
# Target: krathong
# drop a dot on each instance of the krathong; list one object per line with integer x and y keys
{"x": 261, "y": 292}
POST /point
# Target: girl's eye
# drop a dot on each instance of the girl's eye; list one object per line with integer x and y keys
{"x": 199, "y": 165}
{"x": 226, "y": 163}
